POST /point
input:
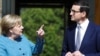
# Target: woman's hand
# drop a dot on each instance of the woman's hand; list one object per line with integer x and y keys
{"x": 41, "y": 32}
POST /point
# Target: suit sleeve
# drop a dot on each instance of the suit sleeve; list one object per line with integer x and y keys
{"x": 64, "y": 45}
{"x": 37, "y": 48}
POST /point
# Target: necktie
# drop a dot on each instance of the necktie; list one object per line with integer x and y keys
{"x": 78, "y": 42}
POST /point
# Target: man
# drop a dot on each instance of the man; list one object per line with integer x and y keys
{"x": 82, "y": 38}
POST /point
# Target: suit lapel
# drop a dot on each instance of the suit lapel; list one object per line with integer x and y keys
{"x": 87, "y": 35}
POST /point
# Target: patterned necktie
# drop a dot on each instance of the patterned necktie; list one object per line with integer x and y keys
{"x": 78, "y": 42}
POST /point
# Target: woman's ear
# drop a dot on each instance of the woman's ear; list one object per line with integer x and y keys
{"x": 10, "y": 31}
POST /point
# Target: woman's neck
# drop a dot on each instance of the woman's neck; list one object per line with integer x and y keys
{"x": 12, "y": 37}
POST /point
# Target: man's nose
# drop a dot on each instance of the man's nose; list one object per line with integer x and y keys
{"x": 71, "y": 13}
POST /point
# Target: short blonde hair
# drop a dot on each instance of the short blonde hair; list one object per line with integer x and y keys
{"x": 8, "y": 22}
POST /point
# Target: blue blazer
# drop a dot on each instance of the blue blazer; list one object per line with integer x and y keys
{"x": 90, "y": 45}
{"x": 20, "y": 47}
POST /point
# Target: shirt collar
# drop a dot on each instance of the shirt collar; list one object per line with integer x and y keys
{"x": 84, "y": 24}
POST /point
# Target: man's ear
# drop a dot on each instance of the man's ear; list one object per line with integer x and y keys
{"x": 83, "y": 14}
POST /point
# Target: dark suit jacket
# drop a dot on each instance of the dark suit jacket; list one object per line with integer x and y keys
{"x": 90, "y": 45}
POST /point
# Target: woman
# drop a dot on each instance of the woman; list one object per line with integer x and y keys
{"x": 13, "y": 42}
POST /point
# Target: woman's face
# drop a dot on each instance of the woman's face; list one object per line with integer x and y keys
{"x": 17, "y": 30}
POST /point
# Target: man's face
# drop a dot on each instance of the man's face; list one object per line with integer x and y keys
{"x": 75, "y": 13}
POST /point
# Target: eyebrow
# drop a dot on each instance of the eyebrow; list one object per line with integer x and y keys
{"x": 75, "y": 11}
{"x": 72, "y": 10}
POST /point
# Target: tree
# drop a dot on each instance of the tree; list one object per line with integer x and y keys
{"x": 52, "y": 18}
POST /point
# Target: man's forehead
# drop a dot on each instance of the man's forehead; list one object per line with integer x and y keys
{"x": 75, "y": 7}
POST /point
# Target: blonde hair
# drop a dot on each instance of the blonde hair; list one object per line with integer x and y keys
{"x": 8, "y": 22}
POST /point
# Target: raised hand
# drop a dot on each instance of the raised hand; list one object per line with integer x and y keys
{"x": 41, "y": 32}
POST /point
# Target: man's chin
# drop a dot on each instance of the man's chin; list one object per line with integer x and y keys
{"x": 72, "y": 19}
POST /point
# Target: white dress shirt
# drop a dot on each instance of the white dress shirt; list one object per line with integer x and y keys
{"x": 83, "y": 29}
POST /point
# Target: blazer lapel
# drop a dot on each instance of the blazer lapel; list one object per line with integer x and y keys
{"x": 87, "y": 35}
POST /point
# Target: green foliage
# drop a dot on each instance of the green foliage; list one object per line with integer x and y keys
{"x": 52, "y": 18}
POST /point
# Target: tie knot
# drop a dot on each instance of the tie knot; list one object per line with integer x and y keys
{"x": 78, "y": 26}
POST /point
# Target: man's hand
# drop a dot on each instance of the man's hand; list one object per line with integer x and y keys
{"x": 68, "y": 54}
{"x": 41, "y": 32}
{"x": 78, "y": 53}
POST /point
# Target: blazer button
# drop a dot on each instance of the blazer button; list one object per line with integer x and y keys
{"x": 20, "y": 49}
{"x": 23, "y": 53}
